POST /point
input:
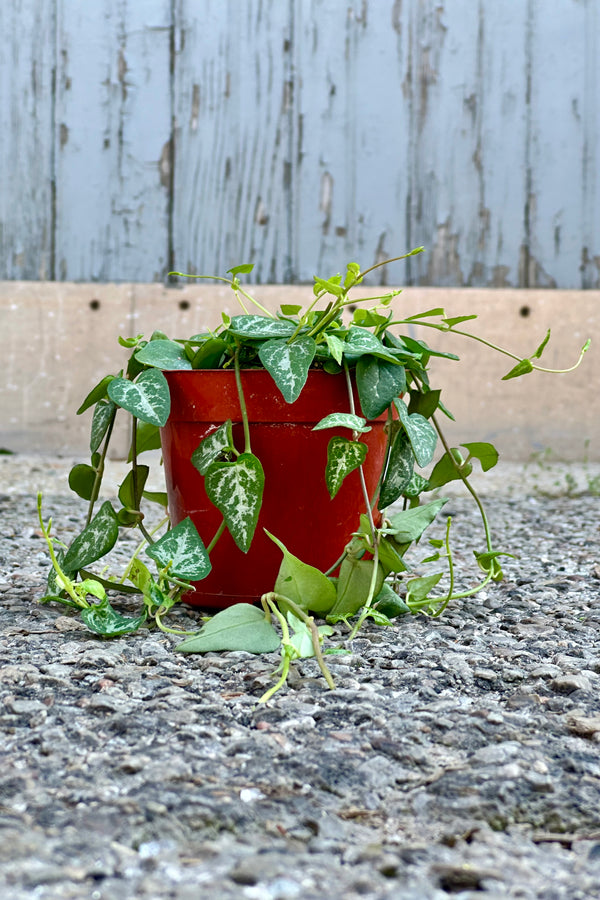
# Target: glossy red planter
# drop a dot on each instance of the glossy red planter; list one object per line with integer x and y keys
{"x": 296, "y": 504}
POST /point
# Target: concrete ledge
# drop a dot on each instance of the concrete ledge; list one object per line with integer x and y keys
{"x": 59, "y": 339}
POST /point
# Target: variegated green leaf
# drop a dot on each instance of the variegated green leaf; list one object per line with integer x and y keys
{"x": 336, "y": 347}
{"x": 343, "y": 456}
{"x": 288, "y": 364}
{"x": 94, "y": 541}
{"x": 182, "y": 548}
{"x": 360, "y": 341}
{"x": 236, "y": 489}
{"x": 260, "y": 327}
{"x": 343, "y": 420}
{"x": 399, "y": 470}
{"x": 211, "y": 447}
{"x": 379, "y": 383}
{"x": 148, "y": 397}
{"x": 101, "y": 419}
{"x": 421, "y": 434}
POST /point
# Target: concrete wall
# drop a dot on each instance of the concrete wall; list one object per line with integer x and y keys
{"x": 59, "y": 339}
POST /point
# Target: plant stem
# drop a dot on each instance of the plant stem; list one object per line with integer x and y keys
{"x": 242, "y": 399}
{"x": 272, "y": 598}
{"x": 100, "y": 468}
{"x": 216, "y": 537}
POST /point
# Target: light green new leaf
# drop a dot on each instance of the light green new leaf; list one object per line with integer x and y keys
{"x": 260, "y": 327}
{"x": 354, "y": 584}
{"x": 103, "y": 619}
{"x": 164, "y": 355}
{"x": 336, "y": 347}
{"x": 182, "y": 547}
{"x": 242, "y": 269}
{"x": 213, "y": 446}
{"x": 236, "y": 489}
{"x": 524, "y": 367}
{"x": 445, "y": 470}
{"x": 301, "y": 640}
{"x": 94, "y": 541}
{"x": 304, "y": 585}
{"x": 148, "y": 398}
{"x": 343, "y": 420}
{"x": 379, "y": 383}
{"x": 409, "y": 525}
{"x": 399, "y": 470}
{"x": 239, "y": 627}
{"x": 343, "y": 456}
{"x": 483, "y": 451}
{"x": 418, "y": 589}
{"x": 541, "y": 347}
{"x": 103, "y": 414}
{"x": 288, "y": 364}
{"x": 421, "y": 434}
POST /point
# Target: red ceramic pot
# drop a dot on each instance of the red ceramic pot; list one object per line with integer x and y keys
{"x": 296, "y": 505}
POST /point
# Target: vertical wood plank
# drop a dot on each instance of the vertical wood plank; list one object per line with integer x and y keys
{"x": 563, "y": 199}
{"x": 27, "y": 61}
{"x": 112, "y": 143}
{"x": 232, "y": 159}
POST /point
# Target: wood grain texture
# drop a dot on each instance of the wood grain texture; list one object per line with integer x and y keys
{"x": 299, "y": 134}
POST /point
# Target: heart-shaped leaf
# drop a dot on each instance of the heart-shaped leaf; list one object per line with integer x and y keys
{"x": 288, "y": 364}
{"x": 379, "y": 383}
{"x": 213, "y": 446}
{"x": 103, "y": 619}
{"x": 483, "y": 451}
{"x": 343, "y": 456}
{"x": 182, "y": 547}
{"x": 95, "y": 540}
{"x": 239, "y": 627}
{"x": 399, "y": 470}
{"x": 305, "y": 585}
{"x": 236, "y": 489}
{"x": 343, "y": 420}
{"x": 148, "y": 398}
{"x": 163, "y": 355}
{"x": 421, "y": 434}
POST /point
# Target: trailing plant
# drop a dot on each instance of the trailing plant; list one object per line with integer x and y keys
{"x": 374, "y": 577}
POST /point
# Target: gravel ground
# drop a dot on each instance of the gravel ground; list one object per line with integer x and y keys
{"x": 456, "y": 757}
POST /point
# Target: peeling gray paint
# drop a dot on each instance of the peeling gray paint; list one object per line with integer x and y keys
{"x": 298, "y": 134}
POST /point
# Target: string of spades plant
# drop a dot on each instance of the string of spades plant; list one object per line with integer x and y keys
{"x": 373, "y": 576}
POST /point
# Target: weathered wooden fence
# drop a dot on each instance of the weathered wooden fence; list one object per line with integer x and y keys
{"x": 143, "y": 135}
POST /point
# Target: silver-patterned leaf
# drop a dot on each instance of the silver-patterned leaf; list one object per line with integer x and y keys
{"x": 182, "y": 547}
{"x": 421, "y": 434}
{"x": 343, "y": 420}
{"x": 236, "y": 489}
{"x": 148, "y": 397}
{"x": 399, "y": 470}
{"x": 288, "y": 364}
{"x": 95, "y": 540}
{"x": 343, "y": 456}
{"x": 257, "y": 327}
{"x": 212, "y": 446}
{"x": 163, "y": 354}
{"x": 379, "y": 383}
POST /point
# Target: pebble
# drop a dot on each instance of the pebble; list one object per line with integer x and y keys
{"x": 455, "y": 757}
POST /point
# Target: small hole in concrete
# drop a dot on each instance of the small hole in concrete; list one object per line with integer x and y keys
{"x": 94, "y": 304}
{"x": 184, "y": 304}
{"x": 525, "y": 311}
